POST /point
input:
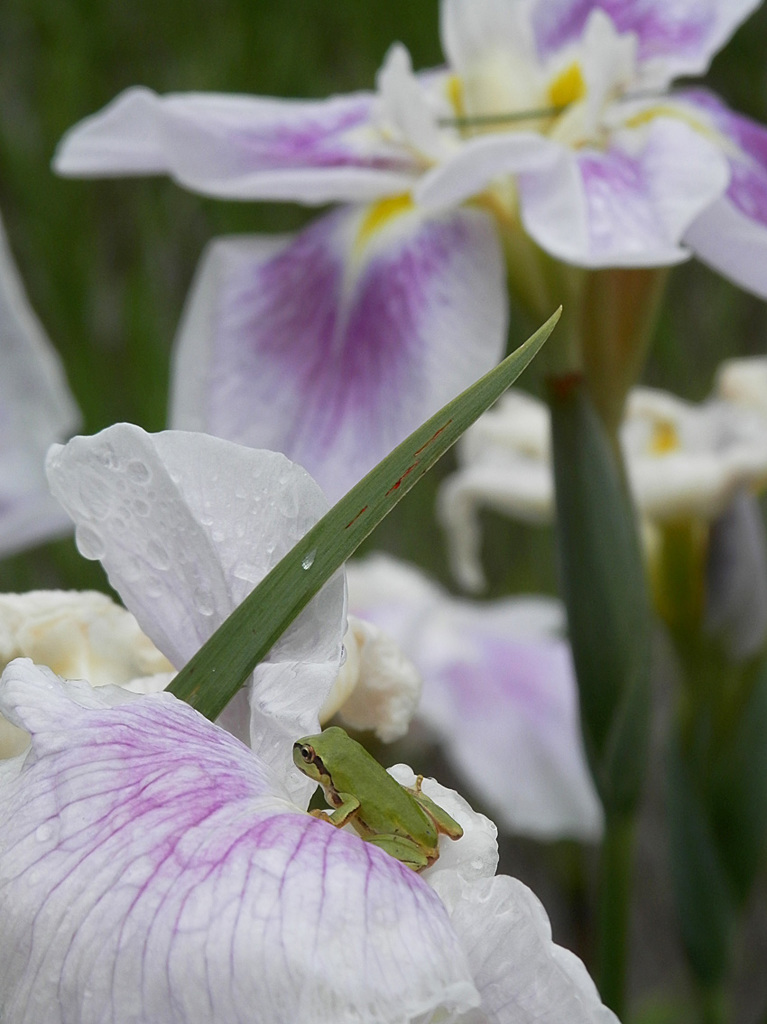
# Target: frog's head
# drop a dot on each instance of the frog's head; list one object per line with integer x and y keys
{"x": 307, "y": 759}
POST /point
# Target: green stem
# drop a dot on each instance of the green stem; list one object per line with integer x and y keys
{"x": 614, "y": 905}
{"x": 713, "y": 1005}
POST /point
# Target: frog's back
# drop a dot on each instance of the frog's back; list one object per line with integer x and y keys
{"x": 385, "y": 806}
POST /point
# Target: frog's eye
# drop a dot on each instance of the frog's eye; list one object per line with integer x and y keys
{"x": 307, "y": 753}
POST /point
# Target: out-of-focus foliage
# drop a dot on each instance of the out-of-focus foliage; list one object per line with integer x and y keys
{"x": 108, "y": 263}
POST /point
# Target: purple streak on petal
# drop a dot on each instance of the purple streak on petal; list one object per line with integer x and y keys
{"x": 630, "y": 204}
{"x": 314, "y": 143}
{"x": 748, "y": 135}
{"x": 748, "y": 182}
{"x": 332, "y": 355}
{"x": 661, "y": 29}
{"x": 674, "y": 38}
{"x": 730, "y": 235}
{"x": 149, "y": 871}
{"x": 748, "y": 192}
{"x": 241, "y": 146}
{"x": 513, "y": 678}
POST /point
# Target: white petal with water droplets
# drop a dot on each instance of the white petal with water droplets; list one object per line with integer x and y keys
{"x": 185, "y": 525}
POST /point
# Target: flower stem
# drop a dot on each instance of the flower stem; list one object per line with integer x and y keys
{"x": 614, "y": 905}
{"x": 713, "y": 1005}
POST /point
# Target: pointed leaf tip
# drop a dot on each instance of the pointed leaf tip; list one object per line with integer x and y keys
{"x": 215, "y": 673}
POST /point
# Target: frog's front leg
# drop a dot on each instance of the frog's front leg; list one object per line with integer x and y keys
{"x": 443, "y": 823}
{"x": 345, "y": 810}
{"x": 403, "y": 849}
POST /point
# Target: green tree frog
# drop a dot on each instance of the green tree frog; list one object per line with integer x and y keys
{"x": 402, "y": 821}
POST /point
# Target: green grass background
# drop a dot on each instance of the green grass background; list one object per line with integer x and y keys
{"x": 108, "y": 263}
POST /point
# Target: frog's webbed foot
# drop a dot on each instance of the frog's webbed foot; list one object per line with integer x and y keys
{"x": 343, "y": 813}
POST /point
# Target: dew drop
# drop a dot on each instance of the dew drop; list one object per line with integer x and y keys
{"x": 157, "y": 556}
{"x": 138, "y": 471}
{"x": 203, "y": 601}
{"x": 43, "y": 833}
{"x": 95, "y": 502}
{"x": 344, "y": 654}
{"x": 308, "y": 560}
{"x": 132, "y": 569}
{"x": 153, "y": 588}
{"x": 89, "y": 542}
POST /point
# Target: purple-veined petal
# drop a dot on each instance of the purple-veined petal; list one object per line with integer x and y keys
{"x": 36, "y": 408}
{"x": 185, "y": 525}
{"x": 731, "y": 235}
{"x": 152, "y": 869}
{"x": 332, "y": 345}
{"x": 241, "y": 147}
{"x": 520, "y": 972}
{"x": 499, "y": 688}
{"x": 629, "y": 205}
{"x": 676, "y": 37}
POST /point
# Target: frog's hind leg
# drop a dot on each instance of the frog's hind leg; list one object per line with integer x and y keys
{"x": 403, "y": 849}
{"x": 443, "y": 822}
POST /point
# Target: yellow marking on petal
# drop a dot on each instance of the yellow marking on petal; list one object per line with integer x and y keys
{"x": 568, "y": 87}
{"x": 679, "y": 114}
{"x": 455, "y": 95}
{"x": 380, "y": 214}
{"x": 664, "y": 438}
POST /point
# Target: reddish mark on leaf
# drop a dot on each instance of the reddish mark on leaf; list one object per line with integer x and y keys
{"x": 408, "y": 471}
{"x": 352, "y": 521}
{"x": 414, "y": 465}
{"x": 434, "y": 437}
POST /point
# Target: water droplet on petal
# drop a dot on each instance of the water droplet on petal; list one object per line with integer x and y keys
{"x": 43, "y": 833}
{"x": 89, "y": 542}
{"x": 203, "y": 601}
{"x": 138, "y": 471}
{"x": 157, "y": 555}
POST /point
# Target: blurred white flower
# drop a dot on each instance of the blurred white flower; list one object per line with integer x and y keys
{"x": 36, "y": 408}
{"x": 79, "y": 635}
{"x": 684, "y": 461}
{"x": 744, "y": 382}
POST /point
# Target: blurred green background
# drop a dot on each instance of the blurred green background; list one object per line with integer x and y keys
{"x": 107, "y": 264}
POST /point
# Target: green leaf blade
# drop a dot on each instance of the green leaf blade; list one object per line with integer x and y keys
{"x": 215, "y": 673}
